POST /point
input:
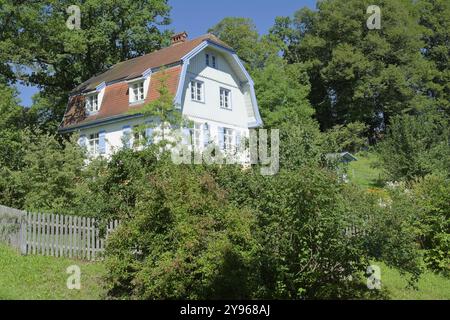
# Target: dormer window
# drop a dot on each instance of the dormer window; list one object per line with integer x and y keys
{"x": 137, "y": 92}
{"x": 92, "y": 105}
{"x": 211, "y": 61}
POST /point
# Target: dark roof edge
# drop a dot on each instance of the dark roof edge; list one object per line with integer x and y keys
{"x": 95, "y": 123}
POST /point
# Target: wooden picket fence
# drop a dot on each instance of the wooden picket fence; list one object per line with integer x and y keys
{"x": 53, "y": 235}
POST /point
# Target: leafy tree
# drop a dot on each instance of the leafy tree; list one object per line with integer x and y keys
{"x": 36, "y": 47}
{"x": 164, "y": 113}
{"x": 415, "y": 146}
{"x": 241, "y": 34}
{"x": 358, "y": 74}
{"x": 282, "y": 91}
{"x": 13, "y": 119}
{"x": 434, "y": 18}
{"x": 351, "y": 137}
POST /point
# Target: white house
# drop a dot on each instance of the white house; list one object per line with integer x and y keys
{"x": 210, "y": 85}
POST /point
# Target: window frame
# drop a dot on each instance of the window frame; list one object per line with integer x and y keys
{"x": 229, "y": 145}
{"x": 197, "y": 134}
{"x": 90, "y": 98}
{"x": 94, "y": 143}
{"x": 195, "y": 93}
{"x": 224, "y": 99}
{"x": 136, "y": 97}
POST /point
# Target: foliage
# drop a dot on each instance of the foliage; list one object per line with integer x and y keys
{"x": 36, "y": 46}
{"x": 241, "y": 34}
{"x": 358, "y": 74}
{"x": 47, "y": 177}
{"x": 282, "y": 91}
{"x": 434, "y": 18}
{"x": 431, "y": 198}
{"x": 302, "y": 218}
{"x": 162, "y": 110}
{"x": 184, "y": 241}
{"x": 415, "y": 146}
{"x": 351, "y": 137}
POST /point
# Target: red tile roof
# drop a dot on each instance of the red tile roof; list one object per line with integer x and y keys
{"x": 116, "y": 101}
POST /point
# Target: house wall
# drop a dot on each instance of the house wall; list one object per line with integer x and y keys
{"x": 208, "y": 112}
{"x": 114, "y": 132}
{"x": 213, "y": 80}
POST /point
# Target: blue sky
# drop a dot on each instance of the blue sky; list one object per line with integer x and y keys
{"x": 197, "y": 16}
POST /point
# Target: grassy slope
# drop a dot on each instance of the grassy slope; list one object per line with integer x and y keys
{"x": 430, "y": 287}
{"x": 363, "y": 173}
{"x": 38, "y": 277}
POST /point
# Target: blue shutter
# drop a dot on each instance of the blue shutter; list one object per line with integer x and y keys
{"x": 238, "y": 139}
{"x": 127, "y": 136}
{"x": 82, "y": 141}
{"x": 101, "y": 142}
{"x": 149, "y": 135}
{"x": 221, "y": 138}
{"x": 205, "y": 134}
{"x": 186, "y": 135}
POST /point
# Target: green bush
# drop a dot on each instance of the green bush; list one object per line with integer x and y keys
{"x": 431, "y": 197}
{"x": 183, "y": 241}
{"x": 415, "y": 146}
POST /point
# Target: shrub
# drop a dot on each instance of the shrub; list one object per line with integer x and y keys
{"x": 184, "y": 240}
{"x": 415, "y": 146}
{"x": 431, "y": 197}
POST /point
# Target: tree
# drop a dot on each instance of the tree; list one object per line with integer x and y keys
{"x": 358, "y": 74}
{"x": 415, "y": 146}
{"x": 434, "y": 18}
{"x": 282, "y": 90}
{"x": 241, "y": 34}
{"x": 57, "y": 59}
{"x": 163, "y": 111}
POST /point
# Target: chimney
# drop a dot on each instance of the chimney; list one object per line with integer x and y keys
{"x": 179, "y": 38}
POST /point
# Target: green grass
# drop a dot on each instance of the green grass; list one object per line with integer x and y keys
{"x": 44, "y": 278}
{"x": 363, "y": 173}
{"x": 431, "y": 286}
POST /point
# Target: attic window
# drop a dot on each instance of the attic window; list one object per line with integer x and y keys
{"x": 137, "y": 92}
{"x": 92, "y": 103}
{"x": 211, "y": 62}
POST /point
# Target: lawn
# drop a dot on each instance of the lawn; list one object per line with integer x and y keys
{"x": 363, "y": 173}
{"x": 44, "y": 278}
{"x": 431, "y": 286}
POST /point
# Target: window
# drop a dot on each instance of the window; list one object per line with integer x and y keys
{"x": 92, "y": 103}
{"x": 94, "y": 143}
{"x": 197, "y": 135}
{"x": 139, "y": 137}
{"x": 228, "y": 136}
{"x": 197, "y": 91}
{"x": 225, "y": 98}
{"x": 213, "y": 61}
{"x": 137, "y": 92}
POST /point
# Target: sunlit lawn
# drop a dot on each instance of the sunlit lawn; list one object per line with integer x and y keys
{"x": 43, "y": 278}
